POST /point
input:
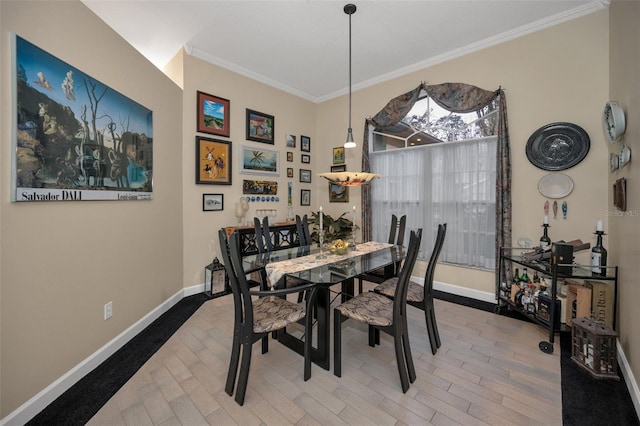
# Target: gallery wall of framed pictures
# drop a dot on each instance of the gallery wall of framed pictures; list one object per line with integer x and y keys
{"x": 214, "y": 157}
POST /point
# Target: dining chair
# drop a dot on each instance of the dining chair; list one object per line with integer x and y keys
{"x": 302, "y": 226}
{"x": 420, "y": 296}
{"x": 379, "y": 275}
{"x": 258, "y": 313}
{"x": 263, "y": 235}
{"x": 382, "y": 313}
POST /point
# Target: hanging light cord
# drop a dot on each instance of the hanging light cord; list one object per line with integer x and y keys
{"x": 350, "y": 9}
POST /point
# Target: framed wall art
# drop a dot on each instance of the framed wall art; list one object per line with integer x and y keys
{"x": 305, "y": 197}
{"x": 305, "y": 143}
{"x": 259, "y": 161}
{"x": 338, "y": 193}
{"x": 306, "y": 158}
{"x": 212, "y": 202}
{"x": 213, "y": 161}
{"x": 289, "y": 156}
{"x": 305, "y": 175}
{"x": 338, "y": 155}
{"x": 259, "y": 187}
{"x": 289, "y": 172}
{"x": 69, "y": 143}
{"x": 260, "y": 127}
{"x": 291, "y": 141}
{"x": 213, "y": 114}
{"x": 340, "y": 168}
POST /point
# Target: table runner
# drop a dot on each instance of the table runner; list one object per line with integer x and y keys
{"x": 276, "y": 270}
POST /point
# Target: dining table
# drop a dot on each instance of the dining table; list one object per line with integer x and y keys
{"x": 310, "y": 264}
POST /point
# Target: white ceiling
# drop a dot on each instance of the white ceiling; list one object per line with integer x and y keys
{"x": 302, "y": 46}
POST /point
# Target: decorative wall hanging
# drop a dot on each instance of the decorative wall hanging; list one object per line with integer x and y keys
{"x": 68, "y": 146}
{"x": 338, "y": 193}
{"x": 613, "y": 122}
{"x": 305, "y": 143}
{"x": 213, "y": 161}
{"x": 555, "y": 185}
{"x": 305, "y": 158}
{"x": 558, "y": 146}
{"x": 212, "y": 202}
{"x": 305, "y": 175}
{"x": 213, "y": 114}
{"x": 305, "y": 197}
{"x": 260, "y": 187}
{"x": 291, "y": 141}
{"x": 338, "y": 155}
{"x": 260, "y": 127}
{"x": 259, "y": 161}
{"x": 340, "y": 168}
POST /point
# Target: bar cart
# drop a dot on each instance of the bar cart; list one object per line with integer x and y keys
{"x": 554, "y": 265}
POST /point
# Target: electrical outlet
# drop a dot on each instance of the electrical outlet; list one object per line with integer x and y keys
{"x": 108, "y": 310}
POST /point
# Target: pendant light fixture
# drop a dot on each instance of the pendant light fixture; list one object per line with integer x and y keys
{"x": 350, "y": 9}
{"x": 349, "y": 178}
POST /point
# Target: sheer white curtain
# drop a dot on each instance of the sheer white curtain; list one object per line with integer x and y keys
{"x": 451, "y": 183}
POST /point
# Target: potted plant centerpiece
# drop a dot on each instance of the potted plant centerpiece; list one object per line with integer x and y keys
{"x": 334, "y": 229}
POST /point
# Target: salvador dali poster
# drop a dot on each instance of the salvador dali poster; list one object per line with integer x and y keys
{"x": 75, "y": 138}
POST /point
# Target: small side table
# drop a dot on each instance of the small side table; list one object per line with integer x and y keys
{"x": 594, "y": 348}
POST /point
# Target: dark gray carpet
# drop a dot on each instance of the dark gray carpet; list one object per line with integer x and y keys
{"x": 585, "y": 401}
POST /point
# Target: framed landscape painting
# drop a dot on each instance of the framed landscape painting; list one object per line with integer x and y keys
{"x": 213, "y": 114}
{"x": 259, "y": 161}
{"x": 260, "y": 127}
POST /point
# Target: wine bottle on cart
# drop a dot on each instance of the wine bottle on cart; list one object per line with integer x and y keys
{"x": 599, "y": 253}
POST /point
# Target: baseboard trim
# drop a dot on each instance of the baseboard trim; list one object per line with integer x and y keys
{"x": 459, "y": 291}
{"x": 42, "y": 399}
{"x": 630, "y": 380}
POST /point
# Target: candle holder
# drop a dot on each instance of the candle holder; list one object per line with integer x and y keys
{"x": 321, "y": 241}
{"x": 353, "y": 234}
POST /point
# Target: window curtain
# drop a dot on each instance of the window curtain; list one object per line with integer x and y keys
{"x": 462, "y": 98}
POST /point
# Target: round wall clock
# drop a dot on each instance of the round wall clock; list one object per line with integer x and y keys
{"x": 558, "y": 146}
{"x": 613, "y": 122}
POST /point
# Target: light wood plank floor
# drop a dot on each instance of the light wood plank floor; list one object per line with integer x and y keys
{"x": 488, "y": 371}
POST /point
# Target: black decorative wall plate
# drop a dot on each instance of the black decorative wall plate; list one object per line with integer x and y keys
{"x": 558, "y": 146}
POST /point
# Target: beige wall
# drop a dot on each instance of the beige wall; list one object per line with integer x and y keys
{"x": 61, "y": 262}
{"x": 51, "y": 315}
{"x": 557, "y": 74}
{"x": 624, "y": 229}
{"x": 293, "y": 115}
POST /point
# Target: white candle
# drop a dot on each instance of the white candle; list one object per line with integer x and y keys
{"x": 546, "y": 220}
{"x": 354, "y": 215}
{"x": 599, "y": 225}
{"x": 321, "y": 214}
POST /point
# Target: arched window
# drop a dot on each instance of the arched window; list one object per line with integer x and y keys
{"x": 439, "y": 163}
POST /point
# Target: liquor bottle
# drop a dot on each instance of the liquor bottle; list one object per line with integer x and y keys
{"x": 515, "y": 282}
{"x": 599, "y": 256}
{"x": 545, "y": 241}
{"x": 524, "y": 277}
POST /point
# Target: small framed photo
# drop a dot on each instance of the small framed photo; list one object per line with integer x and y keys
{"x": 305, "y": 175}
{"x": 340, "y": 168}
{"x": 260, "y": 127}
{"x": 289, "y": 172}
{"x": 338, "y": 193}
{"x": 289, "y": 156}
{"x": 213, "y": 114}
{"x": 212, "y": 202}
{"x": 291, "y": 141}
{"x": 306, "y": 158}
{"x": 305, "y": 143}
{"x": 305, "y": 197}
{"x": 338, "y": 155}
{"x": 213, "y": 161}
